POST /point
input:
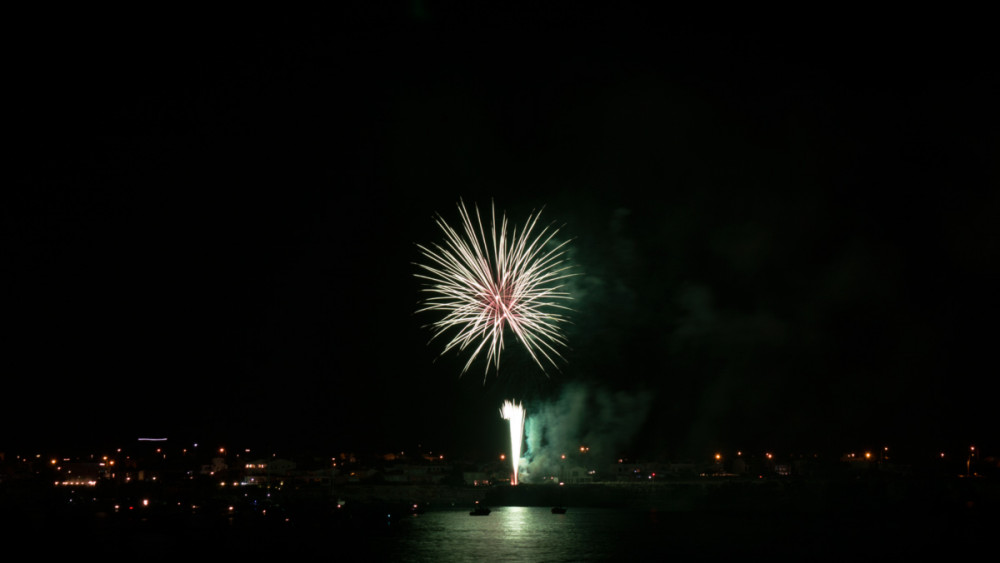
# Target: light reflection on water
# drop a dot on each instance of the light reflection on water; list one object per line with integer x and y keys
{"x": 518, "y": 534}
{"x": 534, "y": 534}
{"x": 525, "y": 534}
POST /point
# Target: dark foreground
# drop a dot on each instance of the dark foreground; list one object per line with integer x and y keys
{"x": 861, "y": 519}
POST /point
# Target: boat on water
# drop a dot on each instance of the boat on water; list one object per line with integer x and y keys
{"x": 479, "y": 510}
{"x": 558, "y": 510}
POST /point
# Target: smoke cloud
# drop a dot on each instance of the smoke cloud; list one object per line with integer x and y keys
{"x": 599, "y": 420}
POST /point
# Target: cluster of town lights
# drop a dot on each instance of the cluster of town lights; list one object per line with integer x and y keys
{"x": 116, "y": 465}
{"x": 77, "y": 483}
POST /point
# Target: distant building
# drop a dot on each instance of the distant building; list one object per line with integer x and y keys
{"x": 632, "y": 471}
{"x": 79, "y": 473}
{"x": 218, "y": 465}
{"x": 575, "y": 474}
{"x": 268, "y": 471}
{"x": 415, "y": 473}
{"x": 476, "y": 478}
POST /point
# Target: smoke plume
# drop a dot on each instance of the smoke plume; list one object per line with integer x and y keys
{"x": 595, "y": 419}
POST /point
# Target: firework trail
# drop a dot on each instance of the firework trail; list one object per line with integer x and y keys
{"x": 515, "y": 414}
{"x": 486, "y": 281}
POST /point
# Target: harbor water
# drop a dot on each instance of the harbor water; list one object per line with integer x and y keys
{"x": 519, "y": 533}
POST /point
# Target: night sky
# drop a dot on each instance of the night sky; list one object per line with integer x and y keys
{"x": 786, "y": 235}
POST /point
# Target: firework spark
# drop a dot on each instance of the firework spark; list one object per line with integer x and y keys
{"x": 515, "y": 414}
{"x": 486, "y": 282}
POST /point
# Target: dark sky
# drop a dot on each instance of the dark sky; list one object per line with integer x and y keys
{"x": 786, "y": 236}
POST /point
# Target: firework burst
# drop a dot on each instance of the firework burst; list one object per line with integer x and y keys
{"x": 488, "y": 281}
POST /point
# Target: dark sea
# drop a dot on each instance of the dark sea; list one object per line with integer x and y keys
{"x": 529, "y": 534}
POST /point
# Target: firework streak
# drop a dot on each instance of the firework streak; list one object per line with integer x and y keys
{"x": 515, "y": 414}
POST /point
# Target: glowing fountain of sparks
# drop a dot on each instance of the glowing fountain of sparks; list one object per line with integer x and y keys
{"x": 486, "y": 281}
{"x": 515, "y": 414}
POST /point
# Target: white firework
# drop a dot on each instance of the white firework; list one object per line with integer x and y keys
{"x": 515, "y": 414}
{"x": 486, "y": 282}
